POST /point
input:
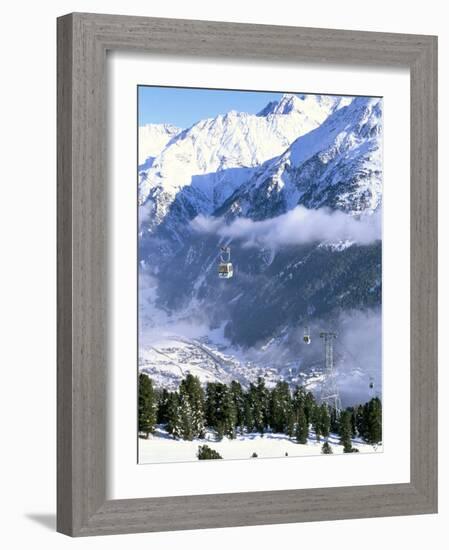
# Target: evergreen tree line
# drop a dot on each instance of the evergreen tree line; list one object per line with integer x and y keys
{"x": 229, "y": 410}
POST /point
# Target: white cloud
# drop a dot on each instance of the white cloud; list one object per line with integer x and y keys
{"x": 298, "y": 226}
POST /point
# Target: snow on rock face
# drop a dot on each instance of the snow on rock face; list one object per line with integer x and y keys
{"x": 152, "y": 140}
{"x": 337, "y": 164}
{"x": 214, "y": 157}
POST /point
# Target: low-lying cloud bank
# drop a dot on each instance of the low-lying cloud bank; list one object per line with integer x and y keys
{"x": 298, "y": 226}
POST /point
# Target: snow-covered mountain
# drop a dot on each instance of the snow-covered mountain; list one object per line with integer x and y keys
{"x": 338, "y": 165}
{"x": 152, "y": 140}
{"x": 313, "y": 151}
{"x": 204, "y": 165}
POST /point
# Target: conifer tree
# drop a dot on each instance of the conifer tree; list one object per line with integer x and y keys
{"x": 302, "y": 428}
{"x": 221, "y": 412}
{"x": 258, "y": 403}
{"x": 374, "y": 421}
{"x": 147, "y": 405}
{"x": 248, "y": 412}
{"x": 228, "y": 416}
{"x": 173, "y": 415}
{"x": 309, "y": 404}
{"x": 263, "y": 405}
{"x": 316, "y": 421}
{"x": 162, "y": 406}
{"x": 290, "y": 431}
{"x": 299, "y": 398}
{"x": 191, "y": 390}
{"x": 239, "y": 403}
{"x": 353, "y": 411}
{"x": 206, "y": 453}
{"x": 334, "y": 420}
{"x": 326, "y": 449}
{"x": 186, "y": 417}
{"x": 345, "y": 431}
{"x": 325, "y": 420}
{"x": 211, "y": 407}
{"x": 360, "y": 420}
{"x": 280, "y": 407}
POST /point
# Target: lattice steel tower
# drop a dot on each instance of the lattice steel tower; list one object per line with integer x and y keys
{"x": 329, "y": 390}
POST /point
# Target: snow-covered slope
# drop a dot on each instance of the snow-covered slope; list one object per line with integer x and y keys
{"x": 161, "y": 445}
{"x": 202, "y": 166}
{"x": 337, "y": 165}
{"x": 152, "y": 140}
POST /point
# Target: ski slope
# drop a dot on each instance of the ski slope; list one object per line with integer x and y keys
{"x": 161, "y": 447}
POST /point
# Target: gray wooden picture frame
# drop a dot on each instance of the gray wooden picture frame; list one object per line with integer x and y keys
{"x": 83, "y": 40}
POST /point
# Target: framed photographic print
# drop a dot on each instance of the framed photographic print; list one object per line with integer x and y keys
{"x": 260, "y": 272}
{"x": 246, "y": 274}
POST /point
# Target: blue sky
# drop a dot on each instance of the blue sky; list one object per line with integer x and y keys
{"x": 185, "y": 106}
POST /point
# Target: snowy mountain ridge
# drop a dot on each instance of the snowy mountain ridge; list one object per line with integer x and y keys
{"x": 335, "y": 165}
{"x": 213, "y": 158}
{"x": 318, "y": 156}
{"x": 152, "y": 140}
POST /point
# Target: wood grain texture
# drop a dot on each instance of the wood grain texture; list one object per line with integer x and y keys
{"x": 83, "y": 40}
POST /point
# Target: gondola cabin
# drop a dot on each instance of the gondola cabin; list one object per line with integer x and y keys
{"x": 225, "y": 270}
{"x": 306, "y": 338}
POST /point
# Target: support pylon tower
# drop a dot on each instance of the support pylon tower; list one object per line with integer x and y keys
{"x": 329, "y": 389}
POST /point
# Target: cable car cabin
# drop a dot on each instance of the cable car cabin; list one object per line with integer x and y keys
{"x": 225, "y": 270}
{"x": 306, "y": 338}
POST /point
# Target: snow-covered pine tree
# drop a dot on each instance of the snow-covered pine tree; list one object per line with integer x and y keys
{"x": 173, "y": 415}
{"x": 186, "y": 417}
{"x": 361, "y": 420}
{"x": 206, "y": 453}
{"x": 191, "y": 389}
{"x": 162, "y": 405}
{"x": 147, "y": 405}
{"x": 221, "y": 412}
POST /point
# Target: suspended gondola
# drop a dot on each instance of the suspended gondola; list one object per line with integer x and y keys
{"x": 225, "y": 268}
{"x": 307, "y": 339}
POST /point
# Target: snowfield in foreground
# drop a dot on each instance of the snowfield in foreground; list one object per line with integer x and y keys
{"x": 161, "y": 447}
